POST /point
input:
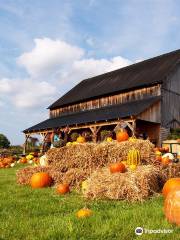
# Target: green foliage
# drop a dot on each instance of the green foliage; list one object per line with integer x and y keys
{"x": 74, "y": 136}
{"x": 59, "y": 143}
{"x": 4, "y": 142}
{"x": 41, "y": 214}
{"x": 175, "y": 134}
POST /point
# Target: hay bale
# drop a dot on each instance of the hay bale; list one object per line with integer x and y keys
{"x": 131, "y": 185}
{"x": 24, "y": 175}
{"x": 91, "y": 155}
{"x": 169, "y": 171}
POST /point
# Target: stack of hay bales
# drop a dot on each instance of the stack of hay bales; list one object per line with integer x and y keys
{"x": 131, "y": 185}
{"x": 75, "y": 163}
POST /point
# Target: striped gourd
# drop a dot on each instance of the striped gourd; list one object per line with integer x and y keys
{"x": 133, "y": 157}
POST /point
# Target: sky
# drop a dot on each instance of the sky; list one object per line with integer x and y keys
{"x": 48, "y": 46}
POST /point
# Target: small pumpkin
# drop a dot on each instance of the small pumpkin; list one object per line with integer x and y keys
{"x": 109, "y": 139}
{"x": 117, "y": 167}
{"x": 122, "y": 135}
{"x": 172, "y": 207}
{"x": 23, "y": 160}
{"x": 158, "y": 158}
{"x": 133, "y": 167}
{"x": 171, "y": 184}
{"x": 84, "y": 212}
{"x": 68, "y": 144}
{"x": 81, "y": 139}
{"x": 165, "y": 161}
{"x": 62, "y": 188}
{"x": 40, "y": 180}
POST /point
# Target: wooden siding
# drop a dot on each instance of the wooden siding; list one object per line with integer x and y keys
{"x": 152, "y": 114}
{"x": 109, "y": 100}
{"x": 171, "y": 100}
{"x": 164, "y": 132}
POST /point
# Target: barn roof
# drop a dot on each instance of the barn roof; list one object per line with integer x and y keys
{"x": 101, "y": 114}
{"x": 142, "y": 74}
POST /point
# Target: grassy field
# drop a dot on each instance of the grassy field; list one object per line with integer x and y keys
{"x": 41, "y": 214}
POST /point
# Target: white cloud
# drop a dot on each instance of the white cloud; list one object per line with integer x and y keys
{"x": 54, "y": 67}
{"x": 33, "y": 94}
{"x": 49, "y": 56}
{"x": 5, "y": 86}
{"x": 27, "y": 93}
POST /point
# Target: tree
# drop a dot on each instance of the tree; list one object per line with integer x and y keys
{"x": 4, "y": 142}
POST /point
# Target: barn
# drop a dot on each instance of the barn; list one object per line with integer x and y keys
{"x": 145, "y": 96}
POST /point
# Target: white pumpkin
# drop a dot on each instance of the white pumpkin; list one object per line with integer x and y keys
{"x": 169, "y": 155}
{"x": 43, "y": 161}
{"x": 12, "y": 164}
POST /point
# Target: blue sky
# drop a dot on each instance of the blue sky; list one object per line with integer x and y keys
{"x": 46, "y": 47}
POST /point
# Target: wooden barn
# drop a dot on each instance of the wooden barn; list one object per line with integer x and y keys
{"x": 145, "y": 95}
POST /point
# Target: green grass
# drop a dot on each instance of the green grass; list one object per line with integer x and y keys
{"x": 41, "y": 214}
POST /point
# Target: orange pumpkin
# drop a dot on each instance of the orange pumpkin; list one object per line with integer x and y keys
{"x": 117, "y": 167}
{"x": 165, "y": 161}
{"x": 171, "y": 184}
{"x": 159, "y": 158}
{"x": 172, "y": 207}
{"x": 23, "y": 160}
{"x": 40, "y": 180}
{"x": 122, "y": 136}
{"x": 62, "y": 188}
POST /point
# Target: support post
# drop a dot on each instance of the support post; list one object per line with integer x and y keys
{"x": 95, "y": 131}
{"x": 25, "y": 143}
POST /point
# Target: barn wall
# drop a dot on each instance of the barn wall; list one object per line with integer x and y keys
{"x": 152, "y": 114}
{"x": 171, "y": 101}
{"x": 109, "y": 100}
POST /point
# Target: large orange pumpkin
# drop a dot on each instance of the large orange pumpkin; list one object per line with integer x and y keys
{"x": 40, "y": 180}
{"x": 171, "y": 184}
{"x": 122, "y": 136}
{"x": 62, "y": 188}
{"x": 117, "y": 167}
{"x": 172, "y": 207}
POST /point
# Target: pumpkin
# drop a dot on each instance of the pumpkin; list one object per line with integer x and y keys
{"x": 42, "y": 160}
{"x": 117, "y": 167}
{"x": 62, "y": 188}
{"x": 171, "y": 184}
{"x": 40, "y": 180}
{"x": 109, "y": 139}
{"x": 172, "y": 207}
{"x": 159, "y": 158}
{"x": 81, "y": 139}
{"x": 122, "y": 135}
{"x": 169, "y": 155}
{"x": 133, "y": 157}
{"x": 29, "y": 157}
{"x": 68, "y": 144}
{"x": 165, "y": 161}
{"x": 158, "y": 153}
{"x": 23, "y": 160}
{"x": 133, "y": 167}
{"x": 84, "y": 212}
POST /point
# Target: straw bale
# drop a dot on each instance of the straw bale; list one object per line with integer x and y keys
{"x": 131, "y": 185}
{"x": 91, "y": 155}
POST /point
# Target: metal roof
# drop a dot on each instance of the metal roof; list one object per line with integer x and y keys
{"x": 101, "y": 114}
{"x": 142, "y": 74}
